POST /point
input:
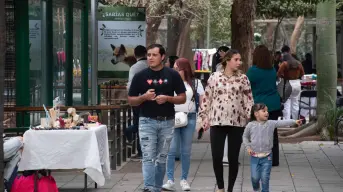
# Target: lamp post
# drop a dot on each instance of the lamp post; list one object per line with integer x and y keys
{"x": 94, "y": 67}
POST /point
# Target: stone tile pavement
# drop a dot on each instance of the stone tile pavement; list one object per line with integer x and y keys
{"x": 305, "y": 167}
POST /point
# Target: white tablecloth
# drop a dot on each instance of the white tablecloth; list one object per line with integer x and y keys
{"x": 68, "y": 149}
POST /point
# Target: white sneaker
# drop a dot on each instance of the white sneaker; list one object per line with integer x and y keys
{"x": 184, "y": 185}
{"x": 169, "y": 186}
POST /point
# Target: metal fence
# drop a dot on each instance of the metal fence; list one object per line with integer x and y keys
{"x": 9, "y": 81}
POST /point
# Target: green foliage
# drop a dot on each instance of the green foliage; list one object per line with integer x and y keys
{"x": 332, "y": 113}
{"x": 220, "y": 23}
{"x": 339, "y": 5}
{"x": 285, "y": 8}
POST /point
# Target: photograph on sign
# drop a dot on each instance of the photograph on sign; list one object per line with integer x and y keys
{"x": 120, "y": 30}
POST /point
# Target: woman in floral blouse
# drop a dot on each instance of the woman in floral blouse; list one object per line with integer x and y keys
{"x": 226, "y": 108}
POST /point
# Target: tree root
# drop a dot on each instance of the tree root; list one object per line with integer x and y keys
{"x": 308, "y": 129}
{"x": 296, "y": 130}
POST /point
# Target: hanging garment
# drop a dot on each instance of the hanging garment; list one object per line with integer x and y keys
{"x": 199, "y": 60}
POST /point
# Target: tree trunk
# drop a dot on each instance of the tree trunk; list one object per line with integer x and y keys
{"x": 242, "y": 25}
{"x": 326, "y": 58}
{"x": 184, "y": 44}
{"x": 284, "y": 34}
{"x": 202, "y": 36}
{"x": 201, "y": 40}
{"x": 296, "y": 130}
{"x": 296, "y": 33}
{"x": 152, "y": 27}
{"x": 2, "y": 77}
{"x": 305, "y": 131}
{"x": 173, "y": 35}
{"x": 154, "y": 19}
{"x": 269, "y": 35}
{"x": 276, "y": 34}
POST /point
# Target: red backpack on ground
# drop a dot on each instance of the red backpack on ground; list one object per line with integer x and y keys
{"x": 27, "y": 184}
{"x": 47, "y": 184}
{"x": 24, "y": 184}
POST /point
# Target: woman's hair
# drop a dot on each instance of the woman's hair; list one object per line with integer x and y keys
{"x": 217, "y": 56}
{"x": 223, "y": 48}
{"x": 184, "y": 65}
{"x": 256, "y": 107}
{"x": 228, "y": 56}
{"x": 172, "y": 60}
{"x": 262, "y": 57}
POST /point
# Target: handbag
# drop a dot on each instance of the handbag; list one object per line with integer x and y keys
{"x": 285, "y": 89}
{"x": 181, "y": 119}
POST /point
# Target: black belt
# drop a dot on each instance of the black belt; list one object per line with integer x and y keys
{"x": 161, "y": 118}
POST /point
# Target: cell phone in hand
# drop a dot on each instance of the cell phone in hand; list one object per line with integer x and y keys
{"x": 200, "y": 133}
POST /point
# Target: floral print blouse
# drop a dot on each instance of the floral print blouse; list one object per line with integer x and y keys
{"x": 227, "y": 100}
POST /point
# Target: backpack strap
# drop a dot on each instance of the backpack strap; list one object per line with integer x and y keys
{"x": 195, "y": 97}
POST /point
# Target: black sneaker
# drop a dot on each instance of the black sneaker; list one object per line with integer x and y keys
{"x": 227, "y": 163}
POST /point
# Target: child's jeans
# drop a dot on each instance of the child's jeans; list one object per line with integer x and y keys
{"x": 260, "y": 171}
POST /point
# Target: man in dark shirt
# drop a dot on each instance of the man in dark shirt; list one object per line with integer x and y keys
{"x": 140, "y": 54}
{"x": 153, "y": 90}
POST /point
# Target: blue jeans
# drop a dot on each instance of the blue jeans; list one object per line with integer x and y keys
{"x": 183, "y": 137}
{"x": 260, "y": 170}
{"x": 155, "y": 137}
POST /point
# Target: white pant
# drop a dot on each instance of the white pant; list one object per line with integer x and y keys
{"x": 291, "y": 106}
{"x": 225, "y": 158}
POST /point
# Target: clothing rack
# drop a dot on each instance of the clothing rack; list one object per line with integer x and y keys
{"x": 201, "y": 49}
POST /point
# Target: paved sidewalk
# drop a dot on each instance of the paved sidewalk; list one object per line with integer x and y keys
{"x": 305, "y": 167}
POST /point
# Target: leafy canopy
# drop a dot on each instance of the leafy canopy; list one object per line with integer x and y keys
{"x": 285, "y": 8}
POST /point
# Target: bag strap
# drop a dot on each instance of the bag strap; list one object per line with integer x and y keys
{"x": 194, "y": 88}
{"x": 284, "y": 90}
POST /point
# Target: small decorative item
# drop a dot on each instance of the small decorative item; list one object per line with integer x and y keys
{"x": 68, "y": 123}
{"x": 62, "y": 123}
{"x": 56, "y": 105}
{"x": 48, "y": 118}
{"x": 92, "y": 118}
{"x": 75, "y": 118}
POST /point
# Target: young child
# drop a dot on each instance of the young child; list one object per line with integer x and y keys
{"x": 258, "y": 139}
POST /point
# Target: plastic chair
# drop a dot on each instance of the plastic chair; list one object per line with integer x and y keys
{"x": 308, "y": 94}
